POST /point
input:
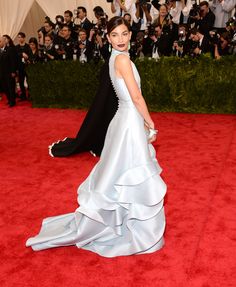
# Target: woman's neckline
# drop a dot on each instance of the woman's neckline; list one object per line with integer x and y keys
{"x": 114, "y": 51}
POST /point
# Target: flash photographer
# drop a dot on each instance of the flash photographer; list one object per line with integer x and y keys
{"x": 203, "y": 18}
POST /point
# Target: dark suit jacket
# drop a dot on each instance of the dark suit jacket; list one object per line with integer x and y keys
{"x": 87, "y": 25}
{"x": 205, "y": 46}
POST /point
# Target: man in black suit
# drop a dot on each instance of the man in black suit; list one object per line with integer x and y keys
{"x": 204, "y": 21}
{"x": 85, "y": 47}
{"x": 202, "y": 44}
{"x": 23, "y": 51}
{"x": 85, "y": 23}
{"x": 8, "y": 69}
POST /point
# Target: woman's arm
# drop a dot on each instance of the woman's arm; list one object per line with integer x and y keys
{"x": 124, "y": 70}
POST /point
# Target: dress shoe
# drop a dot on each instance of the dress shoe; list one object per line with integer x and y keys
{"x": 12, "y": 105}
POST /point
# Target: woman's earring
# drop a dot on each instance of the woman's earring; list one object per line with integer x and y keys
{"x": 109, "y": 48}
{"x": 129, "y": 46}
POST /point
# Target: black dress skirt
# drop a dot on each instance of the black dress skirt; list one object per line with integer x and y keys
{"x": 92, "y": 133}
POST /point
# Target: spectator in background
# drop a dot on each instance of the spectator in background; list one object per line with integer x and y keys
{"x": 223, "y": 11}
{"x": 128, "y": 18}
{"x": 84, "y": 21}
{"x": 8, "y": 69}
{"x": 68, "y": 20}
{"x": 23, "y": 51}
{"x": 59, "y": 23}
{"x": 34, "y": 51}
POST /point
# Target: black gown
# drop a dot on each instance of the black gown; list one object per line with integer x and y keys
{"x": 92, "y": 133}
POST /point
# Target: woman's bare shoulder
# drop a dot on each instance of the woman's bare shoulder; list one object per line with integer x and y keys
{"x": 122, "y": 61}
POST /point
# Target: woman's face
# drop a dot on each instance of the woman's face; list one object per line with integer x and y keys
{"x": 32, "y": 46}
{"x": 163, "y": 11}
{"x": 119, "y": 38}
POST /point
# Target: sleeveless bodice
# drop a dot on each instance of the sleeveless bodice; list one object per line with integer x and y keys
{"x": 119, "y": 83}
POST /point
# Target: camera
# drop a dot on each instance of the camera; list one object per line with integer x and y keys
{"x": 214, "y": 37}
{"x": 194, "y": 11}
{"x": 231, "y": 22}
{"x": 151, "y": 30}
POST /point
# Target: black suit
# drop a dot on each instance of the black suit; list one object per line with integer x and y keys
{"x": 21, "y": 64}
{"x": 205, "y": 46}
{"x": 87, "y": 25}
{"x": 8, "y": 69}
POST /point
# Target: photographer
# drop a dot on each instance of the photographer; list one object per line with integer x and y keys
{"x": 141, "y": 17}
{"x": 85, "y": 49}
{"x": 68, "y": 20}
{"x": 222, "y": 10}
{"x": 48, "y": 52}
{"x": 231, "y": 28}
{"x": 222, "y": 46}
{"x": 120, "y": 7}
{"x": 181, "y": 46}
{"x": 157, "y": 43}
{"x": 84, "y": 21}
{"x": 136, "y": 47}
{"x": 59, "y": 22}
{"x": 200, "y": 43}
{"x": 204, "y": 18}
{"x": 64, "y": 44}
{"x": 99, "y": 43}
{"x": 46, "y": 29}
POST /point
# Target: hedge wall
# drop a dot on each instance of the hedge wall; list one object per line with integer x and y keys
{"x": 201, "y": 85}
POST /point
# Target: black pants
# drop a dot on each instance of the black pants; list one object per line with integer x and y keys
{"x": 8, "y": 85}
{"x": 22, "y": 76}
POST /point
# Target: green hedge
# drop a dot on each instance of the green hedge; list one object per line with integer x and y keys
{"x": 201, "y": 85}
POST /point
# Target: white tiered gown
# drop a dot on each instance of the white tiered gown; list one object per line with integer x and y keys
{"x": 121, "y": 202}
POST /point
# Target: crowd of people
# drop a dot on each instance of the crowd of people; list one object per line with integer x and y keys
{"x": 159, "y": 28}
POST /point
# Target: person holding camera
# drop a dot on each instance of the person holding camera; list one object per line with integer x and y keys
{"x": 64, "y": 44}
{"x": 68, "y": 20}
{"x": 23, "y": 51}
{"x": 84, "y": 21}
{"x": 141, "y": 17}
{"x": 84, "y": 47}
{"x": 201, "y": 43}
{"x": 222, "y": 46}
{"x": 204, "y": 19}
{"x": 223, "y": 11}
{"x": 48, "y": 52}
{"x": 181, "y": 46}
{"x": 120, "y": 7}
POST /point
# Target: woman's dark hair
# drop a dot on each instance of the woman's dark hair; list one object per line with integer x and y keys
{"x": 115, "y": 22}
{"x": 10, "y": 42}
{"x": 34, "y": 40}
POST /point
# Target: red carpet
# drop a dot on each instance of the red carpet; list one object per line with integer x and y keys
{"x": 198, "y": 155}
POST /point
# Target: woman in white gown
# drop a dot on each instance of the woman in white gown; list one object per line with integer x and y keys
{"x": 121, "y": 202}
